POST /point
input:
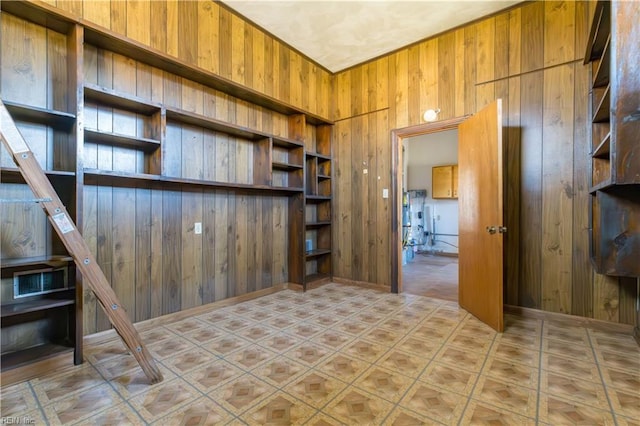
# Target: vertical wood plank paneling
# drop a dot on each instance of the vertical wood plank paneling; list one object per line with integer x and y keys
{"x": 143, "y": 254}
{"x": 342, "y": 200}
{"x": 446, "y": 75}
{"x": 240, "y": 244}
{"x": 97, "y": 11}
{"x": 582, "y": 273}
{"x": 191, "y": 276}
{"x": 139, "y": 21}
{"x": 188, "y": 31}
{"x": 171, "y": 251}
{"x": 515, "y": 41}
{"x": 382, "y": 83}
{"x": 225, "y": 50}
{"x": 208, "y": 247}
{"x": 357, "y": 214}
{"x": 459, "y": 73}
{"x": 157, "y": 254}
{"x": 230, "y": 247}
{"x": 222, "y": 256}
{"x": 512, "y": 194}
{"x": 237, "y": 49}
{"x": 124, "y": 247}
{"x": 104, "y": 254}
{"x": 470, "y": 62}
{"x": 90, "y": 234}
{"x": 531, "y": 190}
{"x": 119, "y": 16}
{"x": 383, "y": 176}
{"x": 557, "y": 184}
{"x": 253, "y": 259}
{"x": 485, "y": 62}
{"x": 343, "y": 95}
{"x": 356, "y": 91}
{"x": 208, "y": 41}
{"x": 501, "y": 48}
{"x": 370, "y": 199}
{"x": 159, "y": 26}
{"x": 416, "y": 80}
{"x": 532, "y": 42}
{"x": 295, "y": 79}
{"x": 429, "y": 83}
{"x": 372, "y": 99}
{"x": 173, "y": 27}
{"x": 628, "y": 299}
{"x": 606, "y": 298}
{"x": 284, "y": 73}
{"x": 259, "y": 61}
{"x": 398, "y": 72}
{"x": 559, "y": 32}
{"x": 266, "y": 275}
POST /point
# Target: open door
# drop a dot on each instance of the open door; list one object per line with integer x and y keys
{"x": 480, "y": 215}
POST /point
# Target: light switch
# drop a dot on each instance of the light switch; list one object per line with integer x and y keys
{"x": 385, "y": 193}
{"x": 198, "y": 228}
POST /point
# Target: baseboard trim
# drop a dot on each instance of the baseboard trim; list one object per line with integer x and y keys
{"x": 57, "y": 363}
{"x": 319, "y": 283}
{"x": 180, "y": 315}
{"x": 570, "y": 320}
{"x": 363, "y": 284}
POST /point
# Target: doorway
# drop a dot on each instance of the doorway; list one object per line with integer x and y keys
{"x": 429, "y": 265}
{"x": 432, "y": 264}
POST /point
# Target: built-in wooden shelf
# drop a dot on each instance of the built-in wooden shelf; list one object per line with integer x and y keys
{"x": 317, "y": 252}
{"x": 117, "y": 139}
{"x": 601, "y": 112}
{"x": 286, "y": 143}
{"x": 600, "y": 30}
{"x": 59, "y": 120}
{"x": 317, "y": 198}
{"x": 136, "y": 180}
{"x": 33, "y": 306}
{"x": 119, "y": 100}
{"x": 319, "y": 156}
{"x": 13, "y": 175}
{"x": 188, "y": 117}
{"x": 603, "y": 149}
{"x": 54, "y": 261}
{"x": 323, "y": 177}
{"x": 601, "y": 186}
{"x": 58, "y": 20}
{"x": 26, "y": 356}
{"x": 601, "y": 76}
{"x": 276, "y": 165}
{"x": 318, "y": 224}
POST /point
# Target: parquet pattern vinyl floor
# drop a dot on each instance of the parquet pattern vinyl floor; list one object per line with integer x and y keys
{"x": 341, "y": 355}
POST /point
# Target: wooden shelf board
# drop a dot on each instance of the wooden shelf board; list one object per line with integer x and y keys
{"x": 15, "y": 359}
{"x": 49, "y": 16}
{"x": 318, "y": 224}
{"x": 603, "y": 149}
{"x": 108, "y": 177}
{"x": 117, "y": 139}
{"x": 13, "y": 175}
{"x": 317, "y": 198}
{"x": 323, "y": 177}
{"x": 199, "y": 120}
{"x": 57, "y": 119}
{"x": 286, "y": 143}
{"x": 54, "y": 260}
{"x": 600, "y": 29}
{"x": 601, "y": 186}
{"x": 112, "y": 98}
{"x": 601, "y": 113}
{"x": 319, "y": 156}
{"x": 33, "y": 306}
{"x": 317, "y": 252}
{"x": 601, "y": 76}
{"x": 276, "y": 165}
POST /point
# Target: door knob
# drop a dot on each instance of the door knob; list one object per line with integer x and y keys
{"x": 491, "y": 229}
{"x": 502, "y": 229}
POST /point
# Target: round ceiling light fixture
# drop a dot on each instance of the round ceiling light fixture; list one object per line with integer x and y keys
{"x": 431, "y": 114}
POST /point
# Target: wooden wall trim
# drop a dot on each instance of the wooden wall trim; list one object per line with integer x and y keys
{"x": 570, "y": 320}
{"x": 364, "y": 284}
{"x": 396, "y": 185}
{"x": 102, "y": 336}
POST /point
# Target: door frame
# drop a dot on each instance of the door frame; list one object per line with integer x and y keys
{"x": 397, "y": 135}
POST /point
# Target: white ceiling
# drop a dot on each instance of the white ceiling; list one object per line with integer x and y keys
{"x": 339, "y": 34}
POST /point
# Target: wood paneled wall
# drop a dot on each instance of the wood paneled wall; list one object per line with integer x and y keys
{"x": 210, "y": 36}
{"x": 531, "y": 57}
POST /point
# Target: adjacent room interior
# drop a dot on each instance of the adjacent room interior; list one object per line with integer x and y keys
{"x": 207, "y": 216}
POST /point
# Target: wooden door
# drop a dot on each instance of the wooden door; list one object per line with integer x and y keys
{"x": 480, "y": 215}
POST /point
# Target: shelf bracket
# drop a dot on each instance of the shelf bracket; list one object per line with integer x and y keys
{"x": 75, "y": 244}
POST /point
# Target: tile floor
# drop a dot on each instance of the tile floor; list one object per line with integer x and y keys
{"x": 346, "y": 355}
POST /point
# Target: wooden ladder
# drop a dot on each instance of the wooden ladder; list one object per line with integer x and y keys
{"x": 75, "y": 244}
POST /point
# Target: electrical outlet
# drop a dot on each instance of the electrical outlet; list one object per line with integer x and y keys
{"x": 198, "y": 228}
{"x": 385, "y": 193}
